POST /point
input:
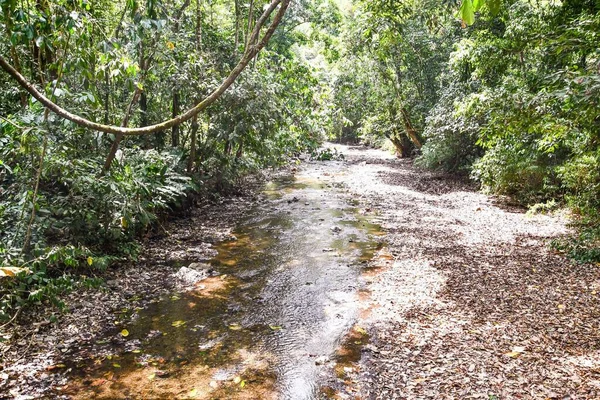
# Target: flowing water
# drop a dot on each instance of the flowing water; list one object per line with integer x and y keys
{"x": 285, "y": 295}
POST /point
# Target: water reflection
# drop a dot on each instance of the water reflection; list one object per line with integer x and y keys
{"x": 285, "y": 295}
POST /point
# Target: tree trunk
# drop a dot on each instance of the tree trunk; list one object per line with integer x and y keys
{"x": 192, "y": 159}
{"x": 238, "y": 16}
{"x": 240, "y": 151}
{"x": 119, "y": 136}
{"x": 198, "y": 26}
{"x": 175, "y": 129}
{"x": 410, "y": 130}
{"x": 401, "y": 143}
{"x": 250, "y": 11}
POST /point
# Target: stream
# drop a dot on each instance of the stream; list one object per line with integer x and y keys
{"x": 266, "y": 323}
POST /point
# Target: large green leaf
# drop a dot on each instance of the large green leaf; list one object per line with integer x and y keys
{"x": 494, "y": 6}
{"x": 467, "y": 13}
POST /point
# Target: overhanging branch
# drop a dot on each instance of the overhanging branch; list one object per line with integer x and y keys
{"x": 248, "y": 55}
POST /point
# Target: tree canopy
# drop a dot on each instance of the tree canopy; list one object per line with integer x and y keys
{"x": 506, "y": 93}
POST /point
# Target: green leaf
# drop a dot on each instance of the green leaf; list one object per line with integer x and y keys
{"x": 466, "y": 13}
{"x": 494, "y": 6}
{"x": 478, "y": 4}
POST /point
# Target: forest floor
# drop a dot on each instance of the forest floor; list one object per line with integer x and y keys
{"x": 464, "y": 299}
{"x": 476, "y": 305}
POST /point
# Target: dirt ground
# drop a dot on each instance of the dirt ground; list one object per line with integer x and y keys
{"x": 471, "y": 303}
{"x": 475, "y": 305}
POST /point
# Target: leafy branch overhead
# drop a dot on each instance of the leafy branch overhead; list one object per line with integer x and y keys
{"x": 468, "y": 9}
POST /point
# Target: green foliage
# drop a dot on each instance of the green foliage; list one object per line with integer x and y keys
{"x": 327, "y": 154}
{"x": 511, "y": 98}
{"x": 451, "y": 136}
{"x": 62, "y": 214}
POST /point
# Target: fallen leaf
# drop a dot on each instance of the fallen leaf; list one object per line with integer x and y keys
{"x": 512, "y": 354}
{"x": 360, "y": 330}
{"x": 151, "y": 377}
{"x": 178, "y": 324}
{"x": 235, "y": 327}
{"x": 124, "y": 333}
{"x": 515, "y": 352}
{"x": 275, "y": 327}
{"x": 116, "y": 365}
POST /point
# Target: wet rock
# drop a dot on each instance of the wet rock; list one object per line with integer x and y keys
{"x": 191, "y": 276}
{"x": 321, "y": 360}
{"x": 200, "y": 267}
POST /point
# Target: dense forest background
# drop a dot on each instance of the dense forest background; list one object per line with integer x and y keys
{"x": 507, "y": 94}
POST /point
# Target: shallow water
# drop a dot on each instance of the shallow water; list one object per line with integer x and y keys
{"x": 286, "y": 294}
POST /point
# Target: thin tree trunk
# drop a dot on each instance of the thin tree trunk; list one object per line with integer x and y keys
{"x": 198, "y": 26}
{"x": 240, "y": 151}
{"x": 119, "y": 136}
{"x": 249, "y": 29}
{"x": 192, "y": 159}
{"x": 175, "y": 129}
{"x": 238, "y": 15}
{"x": 410, "y": 130}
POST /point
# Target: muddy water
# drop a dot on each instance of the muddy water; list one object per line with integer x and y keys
{"x": 284, "y": 294}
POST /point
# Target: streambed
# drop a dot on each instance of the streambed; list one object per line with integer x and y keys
{"x": 280, "y": 298}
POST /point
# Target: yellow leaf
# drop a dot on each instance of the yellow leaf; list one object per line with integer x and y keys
{"x": 151, "y": 377}
{"x": 242, "y": 384}
{"x": 561, "y": 306}
{"x": 117, "y": 365}
{"x": 90, "y": 260}
{"x": 360, "y": 330}
{"x": 123, "y": 222}
{"x": 170, "y": 45}
{"x": 235, "y": 327}
{"x": 274, "y": 328}
{"x": 11, "y": 271}
{"x": 124, "y": 333}
{"x": 515, "y": 352}
{"x": 178, "y": 324}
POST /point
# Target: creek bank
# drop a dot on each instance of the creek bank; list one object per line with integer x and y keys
{"x": 41, "y": 338}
